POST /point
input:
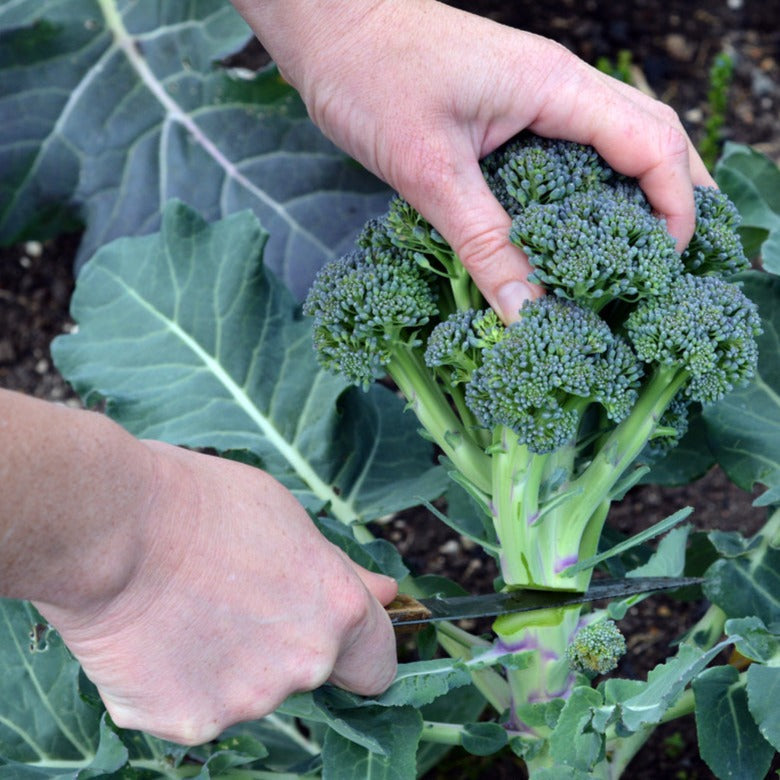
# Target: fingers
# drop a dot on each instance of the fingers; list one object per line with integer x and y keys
{"x": 636, "y": 135}
{"x": 474, "y": 223}
{"x": 367, "y": 661}
{"x": 383, "y": 588}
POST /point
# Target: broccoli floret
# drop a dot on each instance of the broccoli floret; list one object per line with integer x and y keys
{"x": 672, "y": 426}
{"x": 715, "y": 247}
{"x": 457, "y": 343}
{"x": 554, "y": 361}
{"x": 596, "y": 648}
{"x": 541, "y": 170}
{"x": 705, "y": 327}
{"x": 598, "y": 245}
{"x": 364, "y": 305}
{"x": 406, "y": 229}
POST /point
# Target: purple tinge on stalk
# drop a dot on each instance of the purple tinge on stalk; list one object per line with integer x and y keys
{"x": 527, "y": 643}
{"x": 563, "y": 563}
{"x": 545, "y": 696}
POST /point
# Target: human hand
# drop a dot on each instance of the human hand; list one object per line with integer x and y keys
{"x": 418, "y": 92}
{"x": 235, "y": 601}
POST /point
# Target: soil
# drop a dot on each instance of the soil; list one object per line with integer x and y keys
{"x": 672, "y": 45}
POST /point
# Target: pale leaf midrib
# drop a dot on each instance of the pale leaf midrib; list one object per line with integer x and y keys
{"x": 174, "y": 112}
{"x": 66, "y": 732}
{"x": 343, "y": 510}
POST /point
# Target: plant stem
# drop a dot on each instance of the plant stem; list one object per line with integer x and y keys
{"x": 434, "y": 412}
{"x": 459, "y": 644}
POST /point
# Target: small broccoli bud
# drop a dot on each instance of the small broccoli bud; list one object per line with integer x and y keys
{"x": 408, "y": 230}
{"x": 704, "y": 326}
{"x": 715, "y": 247}
{"x": 530, "y": 169}
{"x": 558, "y": 357}
{"x": 457, "y": 343}
{"x": 596, "y": 648}
{"x": 672, "y": 426}
{"x": 375, "y": 236}
{"x": 598, "y": 245}
{"x": 365, "y": 304}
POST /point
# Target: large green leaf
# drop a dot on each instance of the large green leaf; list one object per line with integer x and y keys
{"x": 192, "y": 341}
{"x": 729, "y": 739}
{"x": 112, "y": 107}
{"x": 397, "y": 730}
{"x": 43, "y": 720}
{"x": 752, "y": 181}
{"x": 744, "y": 428}
{"x": 745, "y": 581}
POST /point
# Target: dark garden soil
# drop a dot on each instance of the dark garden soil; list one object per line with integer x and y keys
{"x": 672, "y": 45}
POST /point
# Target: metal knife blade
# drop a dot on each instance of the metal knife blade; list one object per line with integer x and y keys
{"x": 408, "y": 611}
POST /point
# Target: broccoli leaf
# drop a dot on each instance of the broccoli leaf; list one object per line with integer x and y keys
{"x": 744, "y": 428}
{"x": 763, "y": 688}
{"x": 204, "y": 348}
{"x": 399, "y": 731}
{"x": 44, "y": 719}
{"x": 752, "y": 181}
{"x": 746, "y": 582}
{"x": 642, "y": 704}
{"x": 729, "y": 740}
{"x": 111, "y": 108}
{"x": 575, "y": 742}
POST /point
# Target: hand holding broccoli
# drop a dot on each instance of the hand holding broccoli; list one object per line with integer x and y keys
{"x": 380, "y": 79}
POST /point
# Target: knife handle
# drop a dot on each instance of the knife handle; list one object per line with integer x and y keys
{"x": 404, "y": 608}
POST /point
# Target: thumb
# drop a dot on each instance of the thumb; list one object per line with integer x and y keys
{"x": 383, "y": 588}
{"x": 475, "y": 225}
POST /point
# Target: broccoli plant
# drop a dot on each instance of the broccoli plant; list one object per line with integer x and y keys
{"x": 530, "y": 432}
{"x": 547, "y": 420}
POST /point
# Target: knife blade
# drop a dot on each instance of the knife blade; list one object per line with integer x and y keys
{"x": 406, "y": 610}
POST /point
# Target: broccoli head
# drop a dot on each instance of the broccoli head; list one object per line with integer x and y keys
{"x": 543, "y": 421}
{"x": 596, "y": 648}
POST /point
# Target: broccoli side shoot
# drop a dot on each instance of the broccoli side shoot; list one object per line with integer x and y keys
{"x": 596, "y": 648}
{"x": 672, "y": 426}
{"x": 455, "y": 345}
{"x": 371, "y": 311}
{"x": 364, "y": 305}
{"x": 715, "y": 247}
{"x": 704, "y": 327}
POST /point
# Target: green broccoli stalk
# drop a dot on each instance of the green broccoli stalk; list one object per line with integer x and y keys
{"x": 370, "y": 310}
{"x": 546, "y": 421}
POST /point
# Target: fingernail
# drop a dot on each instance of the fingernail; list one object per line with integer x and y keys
{"x": 511, "y": 298}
